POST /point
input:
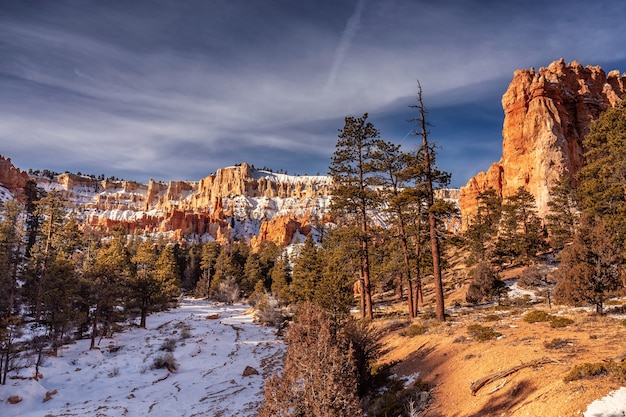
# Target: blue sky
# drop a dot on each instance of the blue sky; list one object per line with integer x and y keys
{"x": 174, "y": 89}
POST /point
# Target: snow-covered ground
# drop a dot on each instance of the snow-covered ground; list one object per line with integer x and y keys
{"x": 213, "y": 346}
{"x": 613, "y": 405}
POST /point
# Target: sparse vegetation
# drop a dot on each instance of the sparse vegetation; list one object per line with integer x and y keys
{"x": 591, "y": 370}
{"x": 165, "y": 361}
{"x": 556, "y": 343}
{"x": 414, "y": 330}
{"x": 482, "y": 333}
{"x": 536, "y": 316}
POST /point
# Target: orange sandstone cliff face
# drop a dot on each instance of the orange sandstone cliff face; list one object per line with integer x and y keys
{"x": 547, "y": 114}
{"x": 12, "y": 178}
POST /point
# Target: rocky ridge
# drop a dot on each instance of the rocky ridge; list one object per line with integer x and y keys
{"x": 236, "y": 201}
{"x": 547, "y": 114}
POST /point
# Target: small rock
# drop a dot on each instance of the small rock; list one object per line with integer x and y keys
{"x": 249, "y": 371}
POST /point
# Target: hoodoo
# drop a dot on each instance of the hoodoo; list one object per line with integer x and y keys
{"x": 547, "y": 115}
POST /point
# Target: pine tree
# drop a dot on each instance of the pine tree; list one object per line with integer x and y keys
{"x": 12, "y": 245}
{"x": 521, "y": 236}
{"x": 483, "y": 227}
{"x": 307, "y": 271}
{"x": 391, "y": 165}
{"x": 60, "y": 296}
{"x": 354, "y": 195}
{"x": 50, "y": 209}
{"x": 168, "y": 276}
{"x": 589, "y": 268}
{"x": 253, "y": 274}
{"x": 433, "y": 178}
{"x": 562, "y": 217}
{"x": 210, "y": 252}
{"x": 602, "y": 180}
{"x": 143, "y": 285}
{"x": 281, "y": 278}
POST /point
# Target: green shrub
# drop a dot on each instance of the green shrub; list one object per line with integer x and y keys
{"x": 482, "y": 333}
{"x": 556, "y": 321}
{"x": 536, "y": 316}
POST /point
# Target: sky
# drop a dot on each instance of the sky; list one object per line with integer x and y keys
{"x": 175, "y": 89}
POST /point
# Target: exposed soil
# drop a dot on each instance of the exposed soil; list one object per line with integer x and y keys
{"x": 450, "y": 359}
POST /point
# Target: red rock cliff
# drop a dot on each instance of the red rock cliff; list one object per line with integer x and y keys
{"x": 547, "y": 114}
{"x": 12, "y": 178}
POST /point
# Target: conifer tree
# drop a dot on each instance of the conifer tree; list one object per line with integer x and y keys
{"x": 281, "y": 278}
{"x": 483, "y": 227}
{"x": 602, "y": 180}
{"x": 50, "y": 209}
{"x": 354, "y": 195}
{"x": 391, "y": 167}
{"x": 433, "y": 178}
{"x": 562, "y": 217}
{"x": 12, "y": 246}
{"x": 521, "y": 236}
{"x": 307, "y": 271}
{"x": 253, "y": 274}
{"x": 155, "y": 281}
{"x": 589, "y": 268}
{"x": 210, "y": 252}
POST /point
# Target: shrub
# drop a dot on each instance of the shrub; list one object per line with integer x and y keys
{"x": 168, "y": 345}
{"x": 485, "y": 284}
{"x": 556, "y": 321}
{"x": 533, "y": 277}
{"x": 482, "y": 333}
{"x": 414, "y": 330}
{"x": 227, "y": 291}
{"x": 492, "y": 317}
{"x": 585, "y": 370}
{"x": 536, "y": 316}
{"x": 556, "y": 343}
{"x": 166, "y": 361}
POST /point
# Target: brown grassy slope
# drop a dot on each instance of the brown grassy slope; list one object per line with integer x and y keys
{"x": 449, "y": 358}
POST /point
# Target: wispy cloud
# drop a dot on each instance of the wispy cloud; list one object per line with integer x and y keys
{"x": 159, "y": 89}
{"x": 344, "y": 44}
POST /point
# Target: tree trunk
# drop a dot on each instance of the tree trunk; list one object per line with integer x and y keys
{"x": 432, "y": 222}
{"x": 94, "y": 328}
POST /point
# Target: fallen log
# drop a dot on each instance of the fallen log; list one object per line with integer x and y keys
{"x": 477, "y": 385}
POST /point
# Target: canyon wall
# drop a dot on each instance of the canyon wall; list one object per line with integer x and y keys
{"x": 547, "y": 114}
{"x": 237, "y": 201}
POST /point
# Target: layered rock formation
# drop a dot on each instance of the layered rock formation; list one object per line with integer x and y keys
{"x": 237, "y": 202}
{"x": 547, "y": 114}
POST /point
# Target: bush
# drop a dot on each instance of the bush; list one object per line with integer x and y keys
{"x": 536, "y": 316}
{"x": 556, "y": 343}
{"x": 268, "y": 311}
{"x": 556, "y": 321}
{"x": 414, "y": 330}
{"x": 592, "y": 370}
{"x": 227, "y": 291}
{"x": 485, "y": 284}
{"x": 482, "y": 333}
{"x": 492, "y": 317}
{"x": 166, "y": 361}
{"x": 168, "y": 345}
{"x": 533, "y": 278}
